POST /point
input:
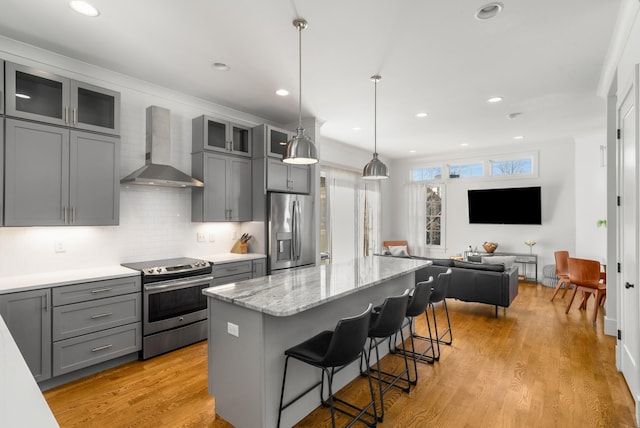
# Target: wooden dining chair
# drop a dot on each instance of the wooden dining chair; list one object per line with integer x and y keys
{"x": 586, "y": 277}
{"x": 562, "y": 272}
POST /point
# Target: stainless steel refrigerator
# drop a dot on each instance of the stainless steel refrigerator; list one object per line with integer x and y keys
{"x": 290, "y": 231}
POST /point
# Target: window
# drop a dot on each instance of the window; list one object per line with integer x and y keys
{"x": 512, "y": 167}
{"x": 465, "y": 170}
{"x": 424, "y": 174}
{"x": 434, "y": 216}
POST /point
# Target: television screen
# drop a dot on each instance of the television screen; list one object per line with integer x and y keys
{"x": 517, "y": 205}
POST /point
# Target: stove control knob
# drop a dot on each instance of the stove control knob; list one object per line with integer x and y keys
{"x": 149, "y": 270}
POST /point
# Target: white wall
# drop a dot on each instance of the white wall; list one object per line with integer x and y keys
{"x": 591, "y": 196}
{"x": 557, "y": 177}
{"x": 155, "y": 222}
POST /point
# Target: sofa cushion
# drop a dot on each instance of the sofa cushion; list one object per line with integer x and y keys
{"x": 507, "y": 261}
{"x": 399, "y": 250}
{"x": 443, "y": 262}
{"x": 479, "y": 266}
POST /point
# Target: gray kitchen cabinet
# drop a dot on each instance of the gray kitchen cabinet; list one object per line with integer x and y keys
{"x": 225, "y": 273}
{"x": 28, "y": 317}
{"x": 270, "y": 141}
{"x": 211, "y": 133}
{"x": 284, "y": 177}
{"x": 56, "y": 176}
{"x": 259, "y": 268}
{"x": 226, "y": 195}
{"x": 1, "y": 88}
{"x": 94, "y": 322}
{"x": 45, "y": 97}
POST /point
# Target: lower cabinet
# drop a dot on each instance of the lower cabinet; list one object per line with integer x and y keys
{"x": 95, "y": 322}
{"x": 62, "y": 329}
{"x": 225, "y": 273}
{"x": 27, "y": 314}
{"x": 259, "y": 268}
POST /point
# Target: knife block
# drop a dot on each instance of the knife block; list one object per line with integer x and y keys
{"x": 240, "y": 247}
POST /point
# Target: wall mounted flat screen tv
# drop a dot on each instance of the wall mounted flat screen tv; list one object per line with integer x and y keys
{"x": 516, "y": 205}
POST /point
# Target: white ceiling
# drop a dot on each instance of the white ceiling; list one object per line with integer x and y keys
{"x": 544, "y": 57}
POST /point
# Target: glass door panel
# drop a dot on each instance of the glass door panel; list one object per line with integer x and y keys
{"x": 95, "y": 109}
{"x": 216, "y": 135}
{"x": 241, "y": 138}
{"x": 277, "y": 142}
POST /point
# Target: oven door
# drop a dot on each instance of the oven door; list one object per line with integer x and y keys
{"x": 174, "y": 303}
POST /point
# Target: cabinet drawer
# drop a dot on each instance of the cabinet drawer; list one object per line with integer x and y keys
{"x": 234, "y": 268}
{"x": 95, "y": 290}
{"x": 232, "y": 278}
{"x": 89, "y": 317}
{"x": 79, "y": 352}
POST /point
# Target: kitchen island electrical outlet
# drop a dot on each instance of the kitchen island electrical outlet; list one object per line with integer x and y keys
{"x": 58, "y": 246}
{"x": 232, "y": 329}
{"x": 201, "y": 237}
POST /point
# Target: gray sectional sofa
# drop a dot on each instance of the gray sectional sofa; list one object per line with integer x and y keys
{"x": 492, "y": 284}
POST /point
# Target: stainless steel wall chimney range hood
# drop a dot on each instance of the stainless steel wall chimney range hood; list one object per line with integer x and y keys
{"x": 156, "y": 171}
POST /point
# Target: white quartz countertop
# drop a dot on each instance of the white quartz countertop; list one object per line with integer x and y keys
{"x": 231, "y": 257}
{"x": 9, "y": 284}
{"x": 291, "y": 292}
{"x": 21, "y": 402}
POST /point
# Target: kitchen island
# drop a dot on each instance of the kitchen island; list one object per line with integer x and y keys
{"x": 252, "y": 322}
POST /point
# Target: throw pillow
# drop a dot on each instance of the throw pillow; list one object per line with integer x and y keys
{"x": 507, "y": 261}
{"x": 400, "y": 250}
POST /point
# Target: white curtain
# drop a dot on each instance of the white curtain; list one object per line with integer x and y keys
{"x": 415, "y": 218}
{"x": 353, "y": 215}
{"x": 368, "y": 218}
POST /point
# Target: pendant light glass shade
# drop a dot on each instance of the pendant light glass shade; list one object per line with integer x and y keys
{"x": 300, "y": 149}
{"x": 375, "y": 169}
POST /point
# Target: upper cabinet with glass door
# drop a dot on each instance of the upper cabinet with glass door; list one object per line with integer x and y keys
{"x": 1, "y": 87}
{"x": 37, "y": 95}
{"x": 214, "y": 134}
{"x": 270, "y": 141}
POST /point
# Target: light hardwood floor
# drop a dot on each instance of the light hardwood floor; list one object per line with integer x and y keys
{"x": 534, "y": 367}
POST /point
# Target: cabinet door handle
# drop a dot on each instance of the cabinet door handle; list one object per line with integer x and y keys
{"x": 73, "y": 215}
{"x": 100, "y": 348}
{"x": 75, "y": 116}
{"x": 46, "y": 302}
{"x": 66, "y": 115}
{"x": 101, "y": 290}
{"x": 64, "y": 215}
{"x": 106, "y": 314}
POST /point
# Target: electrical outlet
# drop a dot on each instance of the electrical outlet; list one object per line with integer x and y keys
{"x": 232, "y": 329}
{"x": 201, "y": 237}
{"x": 234, "y": 235}
{"x": 212, "y": 237}
{"x": 58, "y": 246}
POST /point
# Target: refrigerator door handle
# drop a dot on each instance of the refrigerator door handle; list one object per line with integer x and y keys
{"x": 296, "y": 230}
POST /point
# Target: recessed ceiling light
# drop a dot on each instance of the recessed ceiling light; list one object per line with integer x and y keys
{"x": 518, "y": 137}
{"x": 282, "y": 92}
{"x": 464, "y": 144}
{"x": 422, "y": 114}
{"x": 84, "y": 8}
{"x": 412, "y": 151}
{"x": 494, "y": 100}
{"x": 489, "y": 11}
{"x": 220, "y": 66}
{"x": 357, "y": 128}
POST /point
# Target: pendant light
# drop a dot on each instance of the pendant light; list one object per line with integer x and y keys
{"x": 300, "y": 149}
{"x": 375, "y": 169}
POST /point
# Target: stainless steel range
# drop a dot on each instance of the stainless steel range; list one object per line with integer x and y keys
{"x": 173, "y": 307}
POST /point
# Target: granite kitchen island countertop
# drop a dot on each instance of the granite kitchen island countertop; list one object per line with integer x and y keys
{"x": 290, "y": 292}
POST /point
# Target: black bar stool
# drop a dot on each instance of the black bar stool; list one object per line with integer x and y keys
{"x": 386, "y": 321}
{"x": 331, "y": 350}
{"x": 439, "y": 294}
{"x": 418, "y": 303}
